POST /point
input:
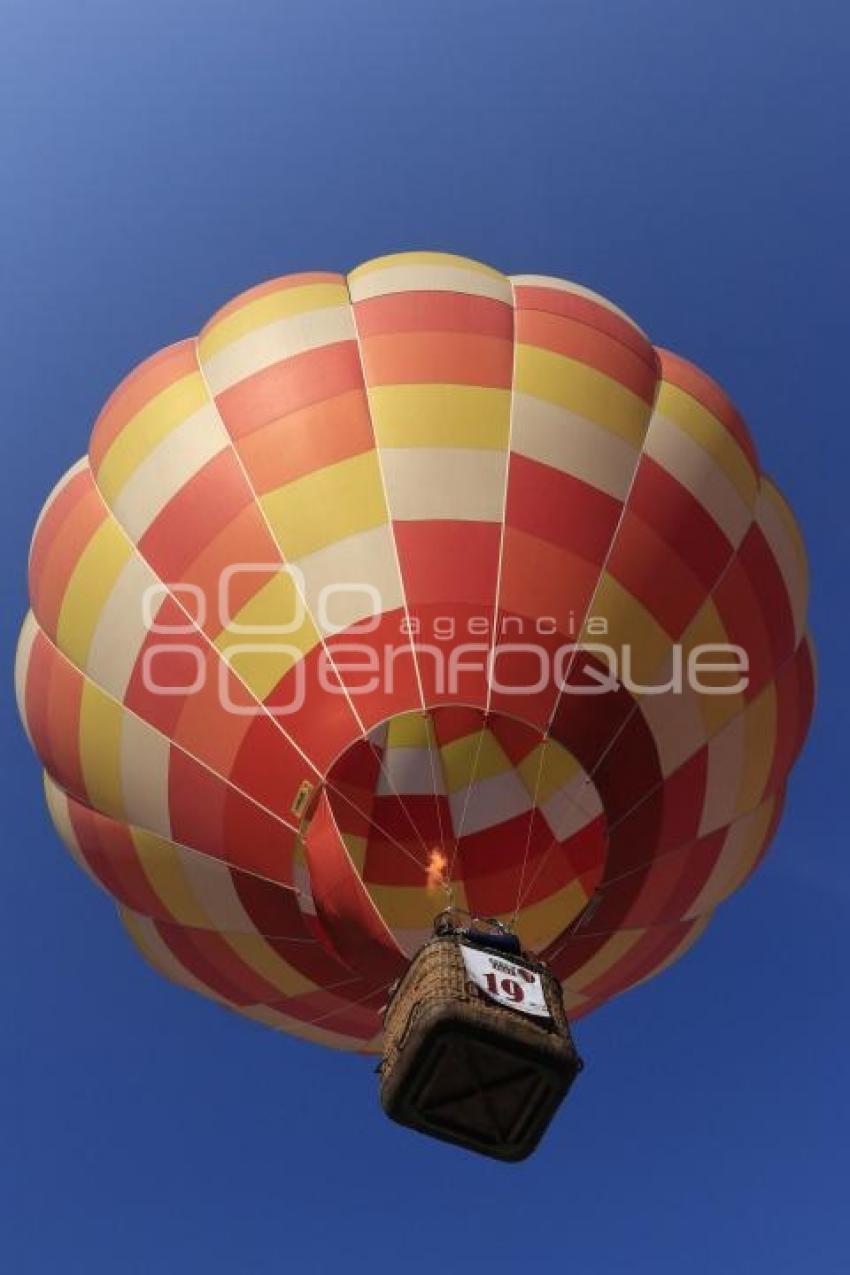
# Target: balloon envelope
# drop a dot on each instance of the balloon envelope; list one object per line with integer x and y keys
{"x": 414, "y": 584}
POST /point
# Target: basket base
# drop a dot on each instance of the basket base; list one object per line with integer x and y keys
{"x": 460, "y": 1080}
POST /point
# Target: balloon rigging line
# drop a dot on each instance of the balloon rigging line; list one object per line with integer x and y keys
{"x": 468, "y": 794}
{"x": 537, "y": 783}
{"x": 431, "y": 734}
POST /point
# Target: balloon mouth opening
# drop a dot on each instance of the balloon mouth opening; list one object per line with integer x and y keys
{"x": 455, "y": 807}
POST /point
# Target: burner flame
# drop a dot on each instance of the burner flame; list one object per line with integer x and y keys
{"x": 437, "y": 864}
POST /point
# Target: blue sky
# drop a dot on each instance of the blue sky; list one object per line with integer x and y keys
{"x": 690, "y": 162}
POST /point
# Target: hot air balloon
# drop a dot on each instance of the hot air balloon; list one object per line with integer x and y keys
{"x": 415, "y": 588}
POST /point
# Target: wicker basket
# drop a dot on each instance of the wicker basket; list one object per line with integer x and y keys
{"x": 461, "y": 1066}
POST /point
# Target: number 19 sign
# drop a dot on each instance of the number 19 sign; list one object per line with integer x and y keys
{"x": 502, "y": 980}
